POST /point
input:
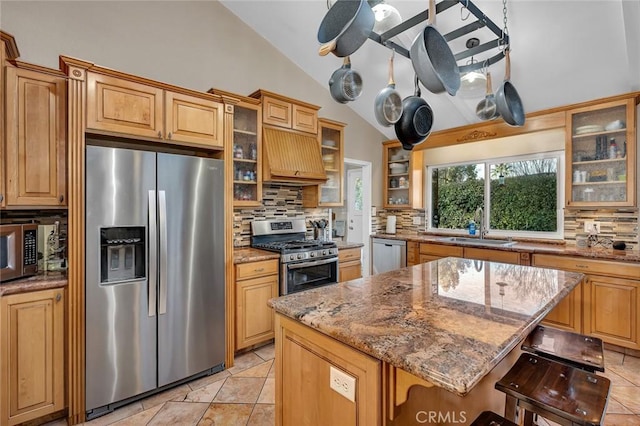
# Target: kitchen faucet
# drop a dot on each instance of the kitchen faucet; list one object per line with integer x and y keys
{"x": 478, "y": 217}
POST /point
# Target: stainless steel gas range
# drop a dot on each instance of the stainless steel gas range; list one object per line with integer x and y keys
{"x": 304, "y": 264}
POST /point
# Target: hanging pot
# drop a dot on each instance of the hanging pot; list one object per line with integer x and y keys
{"x": 487, "y": 108}
{"x": 388, "y": 103}
{"x": 345, "y": 27}
{"x": 433, "y": 60}
{"x": 345, "y": 84}
{"x": 508, "y": 101}
{"x": 416, "y": 120}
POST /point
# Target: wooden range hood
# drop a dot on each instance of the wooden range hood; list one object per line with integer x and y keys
{"x": 291, "y": 157}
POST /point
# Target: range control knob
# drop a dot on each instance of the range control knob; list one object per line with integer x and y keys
{"x": 292, "y": 257}
{"x": 313, "y": 254}
{"x": 299, "y": 255}
{"x": 324, "y": 252}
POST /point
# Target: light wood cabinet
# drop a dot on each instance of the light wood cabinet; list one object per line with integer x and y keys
{"x": 413, "y": 253}
{"x": 303, "y": 384}
{"x": 492, "y": 255}
{"x": 431, "y": 251}
{"x": 31, "y": 355}
{"x": 8, "y": 51}
{"x": 247, "y": 155}
{"x": 256, "y": 283}
{"x": 402, "y": 181}
{"x": 35, "y": 160}
{"x": 349, "y": 264}
{"x": 118, "y": 105}
{"x": 330, "y": 193}
{"x": 281, "y": 111}
{"x": 606, "y": 306}
{"x": 601, "y": 154}
{"x": 611, "y": 310}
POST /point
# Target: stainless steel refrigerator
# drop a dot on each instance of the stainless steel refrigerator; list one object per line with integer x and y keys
{"x": 154, "y": 272}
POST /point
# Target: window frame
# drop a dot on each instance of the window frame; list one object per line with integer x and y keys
{"x": 558, "y": 155}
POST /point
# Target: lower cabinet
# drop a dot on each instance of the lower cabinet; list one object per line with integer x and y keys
{"x": 256, "y": 283}
{"x": 611, "y": 310}
{"x": 31, "y": 355}
{"x": 349, "y": 264}
{"x": 430, "y": 251}
{"x": 501, "y": 256}
{"x": 605, "y": 306}
{"x": 322, "y": 381}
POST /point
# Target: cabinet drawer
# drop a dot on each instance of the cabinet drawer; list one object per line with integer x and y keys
{"x": 256, "y": 269}
{"x": 346, "y": 255}
{"x": 350, "y": 271}
{"x": 441, "y": 250}
{"x": 588, "y": 266}
{"x": 492, "y": 255}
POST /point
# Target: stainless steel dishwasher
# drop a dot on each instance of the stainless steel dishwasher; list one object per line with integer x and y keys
{"x": 388, "y": 255}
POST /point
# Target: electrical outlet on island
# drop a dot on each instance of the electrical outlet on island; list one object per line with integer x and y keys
{"x": 342, "y": 383}
{"x": 591, "y": 227}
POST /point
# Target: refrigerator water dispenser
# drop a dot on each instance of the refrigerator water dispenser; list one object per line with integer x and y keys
{"x": 122, "y": 254}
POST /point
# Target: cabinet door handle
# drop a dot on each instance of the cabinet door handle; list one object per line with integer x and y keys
{"x": 259, "y": 269}
{"x": 582, "y": 266}
{"x": 58, "y": 297}
{"x": 1, "y": 197}
{"x": 159, "y": 134}
{"x": 169, "y": 135}
{"x": 61, "y": 198}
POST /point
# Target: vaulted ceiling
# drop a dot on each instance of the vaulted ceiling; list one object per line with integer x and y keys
{"x": 562, "y": 51}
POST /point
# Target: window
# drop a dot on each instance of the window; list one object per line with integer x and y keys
{"x": 517, "y": 196}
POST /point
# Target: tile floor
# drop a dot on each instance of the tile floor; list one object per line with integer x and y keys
{"x": 244, "y": 395}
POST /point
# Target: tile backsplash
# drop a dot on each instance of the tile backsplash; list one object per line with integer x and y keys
{"x": 615, "y": 224}
{"x": 278, "y": 202}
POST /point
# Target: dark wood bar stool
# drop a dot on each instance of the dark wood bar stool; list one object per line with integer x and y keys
{"x": 573, "y": 349}
{"x": 489, "y": 418}
{"x": 566, "y": 395}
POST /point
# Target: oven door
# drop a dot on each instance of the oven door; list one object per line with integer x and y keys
{"x": 308, "y": 274}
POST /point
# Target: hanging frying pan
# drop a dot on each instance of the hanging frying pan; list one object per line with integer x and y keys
{"x": 388, "y": 103}
{"x": 433, "y": 60}
{"x": 345, "y": 27}
{"x": 345, "y": 84}
{"x": 416, "y": 120}
{"x": 507, "y": 99}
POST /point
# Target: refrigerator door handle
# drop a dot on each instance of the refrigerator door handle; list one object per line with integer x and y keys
{"x": 153, "y": 254}
{"x": 162, "y": 223}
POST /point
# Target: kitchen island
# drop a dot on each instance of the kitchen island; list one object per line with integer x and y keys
{"x": 452, "y": 327}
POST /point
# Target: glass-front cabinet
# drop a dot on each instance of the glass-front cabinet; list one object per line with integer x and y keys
{"x": 330, "y": 134}
{"x": 601, "y": 154}
{"x": 247, "y": 182}
{"x": 402, "y": 176}
{"x": 330, "y": 193}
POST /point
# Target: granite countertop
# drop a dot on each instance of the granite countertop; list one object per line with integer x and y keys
{"x": 448, "y": 321}
{"x": 35, "y": 283}
{"x": 347, "y": 245}
{"x": 247, "y": 255}
{"x": 529, "y": 247}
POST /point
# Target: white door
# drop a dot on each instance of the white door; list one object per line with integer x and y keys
{"x": 355, "y": 205}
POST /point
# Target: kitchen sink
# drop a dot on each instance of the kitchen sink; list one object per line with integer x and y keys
{"x": 478, "y": 241}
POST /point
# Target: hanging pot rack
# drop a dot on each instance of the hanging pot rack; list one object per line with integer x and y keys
{"x": 482, "y": 21}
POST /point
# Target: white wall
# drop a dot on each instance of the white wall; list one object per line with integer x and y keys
{"x": 193, "y": 44}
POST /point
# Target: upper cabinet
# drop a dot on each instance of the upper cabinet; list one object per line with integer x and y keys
{"x": 35, "y": 160}
{"x": 330, "y": 193}
{"x": 134, "y": 108}
{"x": 278, "y": 110}
{"x": 601, "y": 154}
{"x": 403, "y": 176}
{"x": 8, "y": 50}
